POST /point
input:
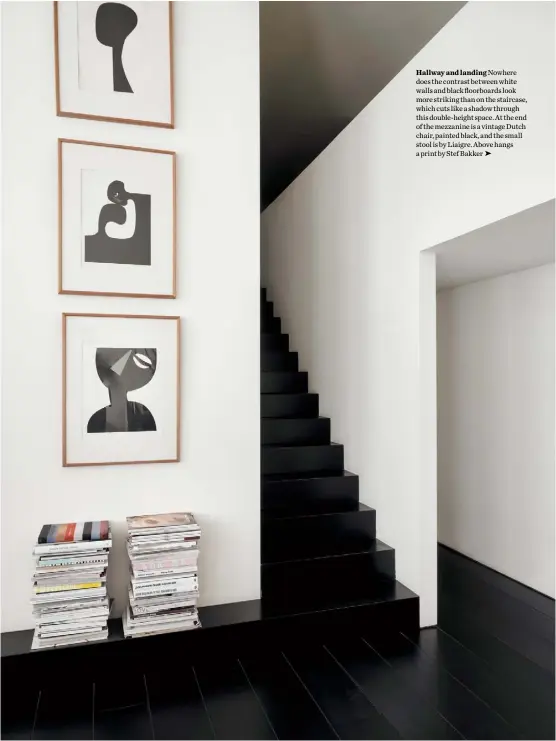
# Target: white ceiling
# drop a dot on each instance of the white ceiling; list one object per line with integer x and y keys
{"x": 521, "y": 241}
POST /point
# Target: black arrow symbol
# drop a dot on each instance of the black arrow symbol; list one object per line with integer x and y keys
{"x": 487, "y": 153}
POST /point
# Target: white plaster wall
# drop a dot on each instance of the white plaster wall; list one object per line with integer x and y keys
{"x": 216, "y": 49}
{"x": 496, "y": 423}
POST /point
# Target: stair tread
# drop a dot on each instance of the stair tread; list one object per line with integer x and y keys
{"x": 376, "y": 546}
{"x": 309, "y": 475}
{"x": 384, "y": 592}
{"x": 293, "y": 516}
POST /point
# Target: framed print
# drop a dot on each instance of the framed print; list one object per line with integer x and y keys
{"x": 121, "y": 389}
{"x": 117, "y": 216}
{"x": 114, "y": 61}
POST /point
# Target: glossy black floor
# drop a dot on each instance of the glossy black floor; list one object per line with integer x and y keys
{"x": 486, "y": 673}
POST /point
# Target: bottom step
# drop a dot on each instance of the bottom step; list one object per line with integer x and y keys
{"x": 231, "y": 629}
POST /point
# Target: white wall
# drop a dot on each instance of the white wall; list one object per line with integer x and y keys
{"x": 216, "y": 49}
{"x": 496, "y": 423}
{"x": 344, "y": 244}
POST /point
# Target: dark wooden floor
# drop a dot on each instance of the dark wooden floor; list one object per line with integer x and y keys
{"x": 487, "y": 672}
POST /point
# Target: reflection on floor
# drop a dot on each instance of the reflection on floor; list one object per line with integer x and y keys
{"x": 487, "y": 672}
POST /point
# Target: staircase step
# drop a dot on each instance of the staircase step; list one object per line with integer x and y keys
{"x": 322, "y": 492}
{"x": 263, "y": 294}
{"x": 277, "y": 360}
{"x": 274, "y": 341}
{"x": 302, "y": 458}
{"x": 272, "y": 324}
{"x": 289, "y": 405}
{"x": 309, "y": 536}
{"x": 347, "y": 576}
{"x": 389, "y": 606}
{"x": 308, "y": 431}
{"x": 284, "y": 382}
{"x": 267, "y": 308}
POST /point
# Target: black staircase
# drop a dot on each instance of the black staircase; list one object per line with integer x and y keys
{"x": 319, "y": 551}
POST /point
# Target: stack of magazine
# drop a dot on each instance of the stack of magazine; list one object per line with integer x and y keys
{"x": 164, "y": 587}
{"x": 70, "y": 602}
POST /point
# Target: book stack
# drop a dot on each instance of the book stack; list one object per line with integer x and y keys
{"x": 163, "y": 551}
{"x": 70, "y": 602}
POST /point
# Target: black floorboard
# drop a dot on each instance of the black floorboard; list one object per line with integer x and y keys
{"x": 121, "y": 707}
{"x": 177, "y": 707}
{"x": 511, "y": 587}
{"x": 19, "y": 706}
{"x": 233, "y": 707}
{"x": 487, "y": 672}
{"x": 428, "y": 679}
{"x": 291, "y": 709}
{"x": 350, "y": 713}
{"x": 531, "y": 717}
{"x": 410, "y": 712}
{"x": 73, "y": 702}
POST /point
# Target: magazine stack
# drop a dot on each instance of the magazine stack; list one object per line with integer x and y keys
{"x": 70, "y": 602}
{"x": 164, "y": 587}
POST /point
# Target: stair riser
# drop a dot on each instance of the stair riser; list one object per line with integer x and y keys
{"x": 275, "y": 342}
{"x": 311, "y": 431}
{"x": 267, "y": 310}
{"x": 308, "y": 496}
{"x": 380, "y": 619}
{"x": 347, "y": 577}
{"x": 279, "y": 361}
{"x": 302, "y": 459}
{"x": 271, "y": 325}
{"x": 309, "y": 537}
{"x": 284, "y": 383}
{"x": 289, "y": 405}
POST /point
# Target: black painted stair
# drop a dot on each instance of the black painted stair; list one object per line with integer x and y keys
{"x": 295, "y": 431}
{"x": 284, "y": 382}
{"x": 302, "y": 458}
{"x": 319, "y": 551}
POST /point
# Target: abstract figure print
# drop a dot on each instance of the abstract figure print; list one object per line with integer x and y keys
{"x": 133, "y": 250}
{"x": 114, "y": 23}
{"x": 123, "y": 370}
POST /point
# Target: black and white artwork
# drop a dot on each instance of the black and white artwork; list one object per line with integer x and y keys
{"x": 113, "y": 24}
{"x": 134, "y": 249}
{"x": 117, "y": 229}
{"x": 114, "y": 61}
{"x": 123, "y": 370}
{"x": 121, "y": 389}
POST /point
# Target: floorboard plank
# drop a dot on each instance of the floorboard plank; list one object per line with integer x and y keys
{"x": 121, "y": 708}
{"x": 457, "y": 581}
{"x": 177, "y": 708}
{"x": 459, "y": 622}
{"x": 123, "y": 723}
{"x": 293, "y": 712}
{"x": 513, "y": 588}
{"x": 233, "y": 707}
{"x": 19, "y": 706}
{"x": 428, "y": 679}
{"x": 404, "y": 709}
{"x": 350, "y": 712}
{"x": 532, "y": 718}
{"x": 65, "y": 712}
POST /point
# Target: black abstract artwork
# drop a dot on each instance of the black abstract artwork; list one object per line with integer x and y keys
{"x": 121, "y": 370}
{"x": 114, "y": 23}
{"x": 134, "y": 250}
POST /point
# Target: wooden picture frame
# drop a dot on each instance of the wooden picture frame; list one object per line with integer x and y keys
{"x": 165, "y": 427}
{"x": 80, "y": 275}
{"x": 68, "y": 80}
